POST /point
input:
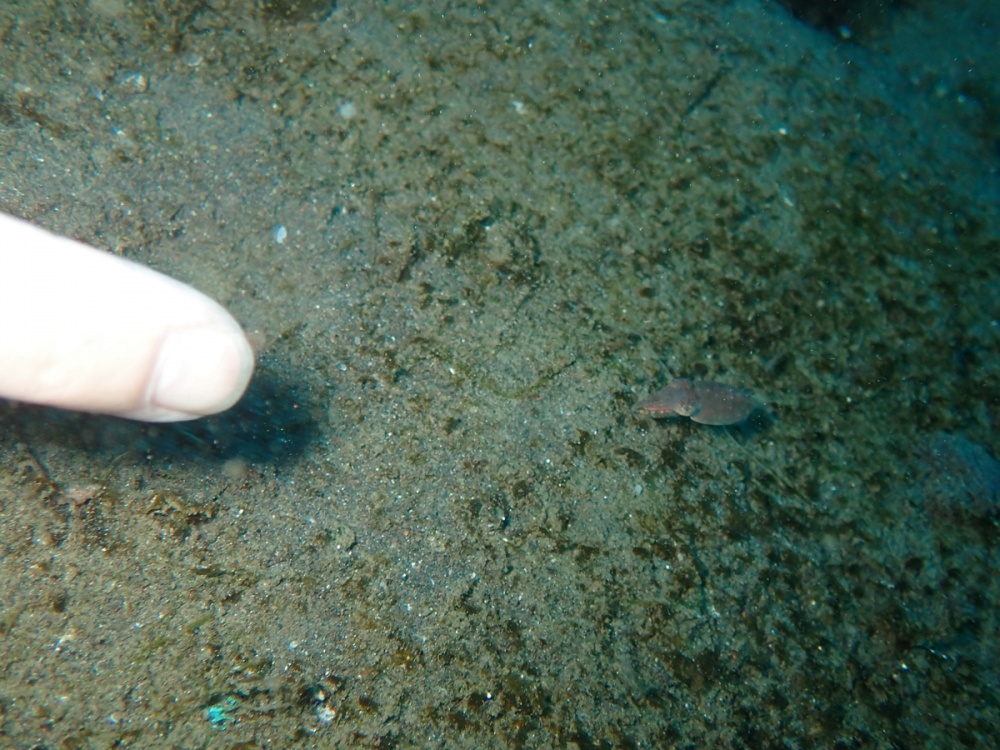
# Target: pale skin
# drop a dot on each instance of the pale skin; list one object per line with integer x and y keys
{"x": 86, "y": 330}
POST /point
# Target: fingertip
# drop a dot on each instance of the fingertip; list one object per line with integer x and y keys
{"x": 199, "y": 370}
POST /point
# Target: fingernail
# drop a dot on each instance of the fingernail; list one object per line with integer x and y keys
{"x": 199, "y": 371}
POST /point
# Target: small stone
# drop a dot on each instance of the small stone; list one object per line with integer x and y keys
{"x": 133, "y": 83}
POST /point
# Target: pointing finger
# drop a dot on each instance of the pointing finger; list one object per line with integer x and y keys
{"x": 83, "y": 329}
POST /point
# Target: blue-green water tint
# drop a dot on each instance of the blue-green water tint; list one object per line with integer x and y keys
{"x": 436, "y": 520}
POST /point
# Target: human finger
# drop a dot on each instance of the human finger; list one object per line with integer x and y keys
{"x": 86, "y": 330}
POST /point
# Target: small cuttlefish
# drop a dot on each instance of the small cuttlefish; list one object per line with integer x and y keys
{"x": 704, "y": 401}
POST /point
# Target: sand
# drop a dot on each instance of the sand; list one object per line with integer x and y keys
{"x": 435, "y": 520}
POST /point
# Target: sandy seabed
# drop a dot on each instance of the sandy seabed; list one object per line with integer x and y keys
{"x": 466, "y": 240}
